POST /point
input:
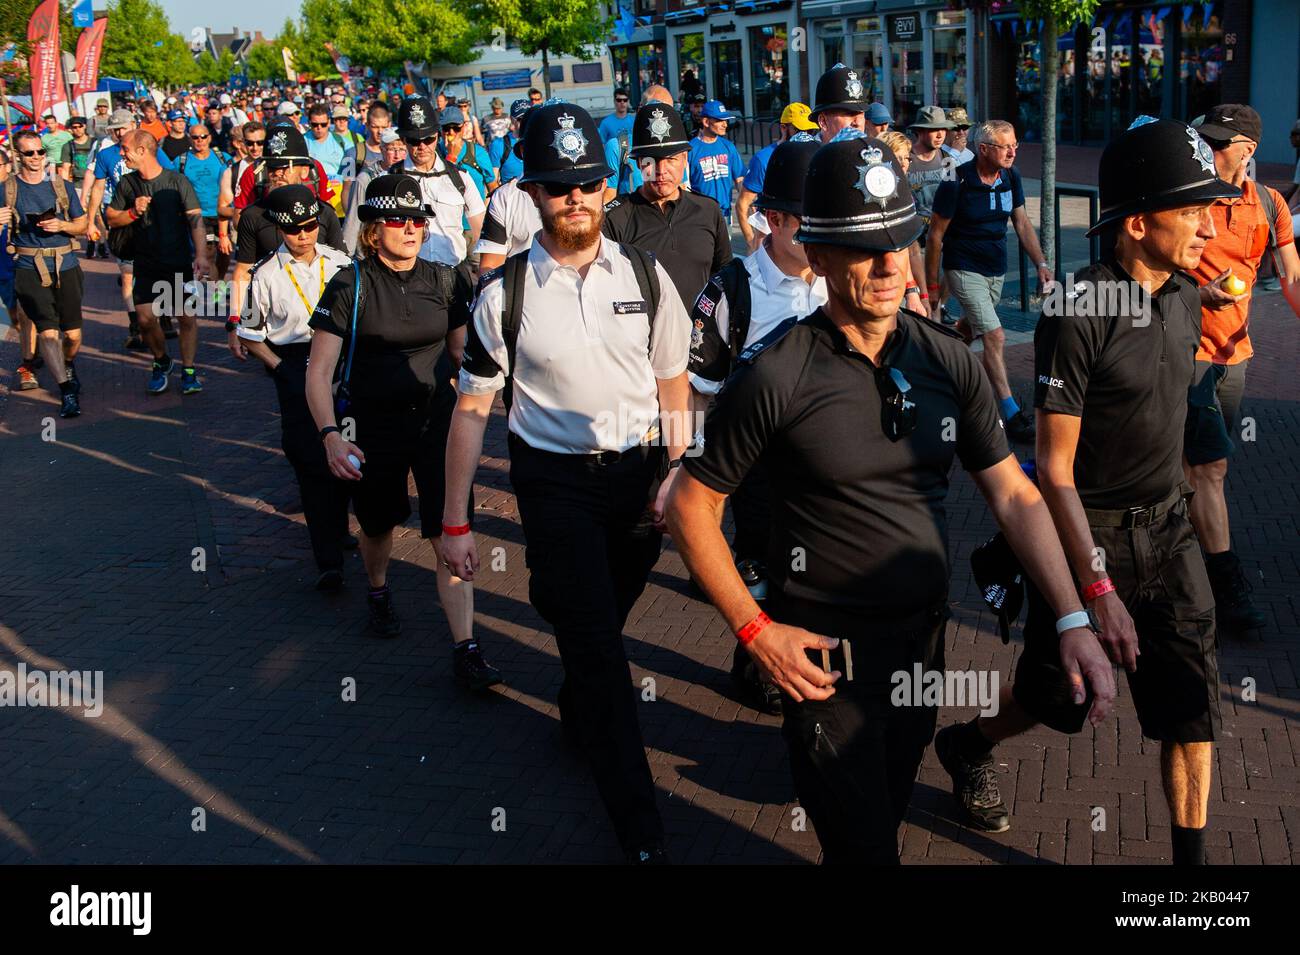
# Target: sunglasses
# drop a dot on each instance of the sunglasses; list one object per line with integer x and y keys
{"x": 254, "y": 142}
{"x": 399, "y": 222}
{"x": 557, "y": 189}
{"x": 453, "y": 128}
{"x": 309, "y": 226}
{"x": 426, "y": 141}
{"x": 31, "y": 152}
{"x": 620, "y": 99}
{"x": 897, "y": 412}
{"x": 199, "y": 139}
{"x": 319, "y": 125}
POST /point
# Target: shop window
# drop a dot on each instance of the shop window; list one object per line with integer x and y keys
{"x": 1201, "y": 69}
{"x": 650, "y": 64}
{"x": 767, "y": 57}
{"x": 949, "y": 72}
{"x": 690, "y": 65}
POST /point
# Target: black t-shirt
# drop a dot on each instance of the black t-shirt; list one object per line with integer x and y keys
{"x": 258, "y": 236}
{"x": 1126, "y": 378}
{"x": 175, "y": 147}
{"x": 402, "y": 327}
{"x": 857, "y": 520}
{"x": 690, "y": 238}
{"x": 162, "y": 237}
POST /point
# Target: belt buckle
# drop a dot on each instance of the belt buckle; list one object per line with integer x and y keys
{"x": 1140, "y": 516}
{"x": 606, "y": 458}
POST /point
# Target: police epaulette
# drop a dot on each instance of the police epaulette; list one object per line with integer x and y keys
{"x": 934, "y": 326}
{"x": 613, "y": 204}
{"x": 767, "y": 341}
{"x": 260, "y": 262}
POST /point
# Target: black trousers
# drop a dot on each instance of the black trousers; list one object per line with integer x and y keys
{"x": 589, "y": 554}
{"x": 324, "y": 497}
{"x": 854, "y": 756}
{"x": 751, "y": 509}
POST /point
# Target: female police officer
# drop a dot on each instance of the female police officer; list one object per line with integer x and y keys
{"x": 399, "y": 317}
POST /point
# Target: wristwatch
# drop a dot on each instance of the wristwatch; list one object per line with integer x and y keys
{"x": 1080, "y": 618}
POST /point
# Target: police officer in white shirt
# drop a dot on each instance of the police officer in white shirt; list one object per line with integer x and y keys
{"x": 509, "y": 226}
{"x": 283, "y": 291}
{"x": 445, "y": 187}
{"x": 743, "y": 303}
{"x": 595, "y": 340}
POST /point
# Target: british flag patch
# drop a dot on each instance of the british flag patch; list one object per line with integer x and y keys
{"x": 706, "y": 305}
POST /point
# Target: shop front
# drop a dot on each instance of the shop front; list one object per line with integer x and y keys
{"x": 738, "y": 53}
{"x": 637, "y": 60}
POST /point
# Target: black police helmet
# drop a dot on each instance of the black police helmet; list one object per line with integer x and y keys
{"x": 862, "y": 198}
{"x": 417, "y": 117}
{"x": 1001, "y": 580}
{"x": 1157, "y": 164}
{"x": 658, "y": 132}
{"x": 393, "y": 194}
{"x": 562, "y": 144}
{"x": 840, "y": 87}
{"x": 787, "y": 171}
{"x": 292, "y": 205}
{"x": 284, "y": 147}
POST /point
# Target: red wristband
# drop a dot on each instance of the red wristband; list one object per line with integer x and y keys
{"x": 752, "y": 629}
{"x": 1096, "y": 589}
{"x": 456, "y": 530}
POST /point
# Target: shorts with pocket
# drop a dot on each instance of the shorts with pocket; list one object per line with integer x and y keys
{"x": 979, "y": 296}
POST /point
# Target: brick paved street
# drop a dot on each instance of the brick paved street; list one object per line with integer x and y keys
{"x": 224, "y": 685}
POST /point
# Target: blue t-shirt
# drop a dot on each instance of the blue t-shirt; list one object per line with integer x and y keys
{"x": 111, "y": 167}
{"x": 757, "y": 171}
{"x": 329, "y": 152}
{"x": 611, "y": 126}
{"x": 33, "y": 200}
{"x": 205, "y": 176}
{"x": 504, "y": 160}
{"x": 484, "y": 161}
{"x": 6, "y": 260}
{"x": 715, "y": 167}
{"x": 628, "y": 178}
{"x": 976, "y": 238}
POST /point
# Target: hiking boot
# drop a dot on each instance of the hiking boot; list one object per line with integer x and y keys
{"x": 1020, "y": 427}
{"x": 26, "y": 378}
{"x": 974, "y": 785}
{"x": 159, "y": 374}
{"x": 383, "y": 616}
{"x": 72, "y": 378}
{"x": 70, "y": 406}
{"x": 750, "y": 687}
{"x": 1233, "y": 608}
{"x": 470, "y": 670}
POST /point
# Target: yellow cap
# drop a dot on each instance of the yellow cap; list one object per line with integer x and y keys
{"x": 796, "y": 114}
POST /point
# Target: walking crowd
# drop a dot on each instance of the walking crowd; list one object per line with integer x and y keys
{"x": 398, "y": 262}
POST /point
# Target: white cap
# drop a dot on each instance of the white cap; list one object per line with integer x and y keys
{"x": 286, "y": 108}
{"x": 389, "y": 136}
{"x": 257, "y": 101}
{"x": 225, "y": 99}
{"x": 327, "y": 91}
{"x": 170, "y": 99}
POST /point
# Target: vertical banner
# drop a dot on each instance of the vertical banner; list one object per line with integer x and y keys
{"x": 290, "y": 75}
{"x": 45, "y": 65}
{"x": 83, "y": 14}
{"x": 89, "y": 46}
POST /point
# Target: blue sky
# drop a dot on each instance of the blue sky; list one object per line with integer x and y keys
{"x": 223, "y": 16}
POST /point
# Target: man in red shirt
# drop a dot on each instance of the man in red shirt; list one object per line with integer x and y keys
{"x": 249, "y": 190}
{"x": 1242, "y": 240}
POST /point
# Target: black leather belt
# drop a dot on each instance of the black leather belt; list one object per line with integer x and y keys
{"x": 1137, "y": 516}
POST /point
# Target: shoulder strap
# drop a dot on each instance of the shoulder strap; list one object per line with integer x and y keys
{"x": 624, "y": 170}
{"x": 356, "y": 307}
{"x": 647, "y": 277}
{"x": 11, "y": 203}
{"x": 735, "y": 285}
{"x": 181, "y": 161}
{"x": 512, "y": 309}
{"x": 1270, "y": 213}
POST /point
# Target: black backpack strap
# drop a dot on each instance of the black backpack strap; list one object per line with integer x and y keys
{"x": 512, "y": 309}
{"x": 734, "y": 279}
{"x": 647, "y": 277}
{"x": 1269, "y": 208}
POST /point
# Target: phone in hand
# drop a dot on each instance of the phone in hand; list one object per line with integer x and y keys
{"x": 34, "y": 219}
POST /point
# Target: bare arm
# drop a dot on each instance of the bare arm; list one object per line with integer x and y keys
{"x": 475, "y": 229}
{"x": 490, "y": 260}
{"x": 1029, "y": 242}
{"x": 464, "y": 448}
{"x": 934, "y": 250}
{"x": 1290, "y": 275}
{"x": 325, "y": 350}
{"x": 743, "y": 204}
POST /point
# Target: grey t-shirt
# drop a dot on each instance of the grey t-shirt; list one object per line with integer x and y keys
{"x": 925, "y": 177}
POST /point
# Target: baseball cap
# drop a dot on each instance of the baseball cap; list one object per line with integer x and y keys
{"x": 174, "y": 114}
{"x": 714, "y": 109}
{"x": 390, "y": 136}
{"x": 518, "y": 108}
{"x": 75, "y": 120}
{"x": 878, "y": 115}
{"x": 120, "y": 119}
{"x": 451, "y": 116}
{"x": 796, "y": 115}
{"x": 1228, "y": 120}
{"x": 102, "y": 102}
{"x": 286, "y": 109}
{"x": 497, "y": 101}
{"x": 340, "y": 112}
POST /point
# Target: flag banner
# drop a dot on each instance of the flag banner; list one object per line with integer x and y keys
{"x": 289, "y": 74}
{"x": 83, "y": 13}
{"x": 89, "y": 47}
{"x": 45, "y": 65}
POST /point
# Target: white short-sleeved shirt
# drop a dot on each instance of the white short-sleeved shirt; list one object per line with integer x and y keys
{"x": 446, "y": 240}
{"x": 773, "y": 297}
{"x": 588, "y": 353}
{"x": 511, "y": 222}
{"x": 278, "y": 313}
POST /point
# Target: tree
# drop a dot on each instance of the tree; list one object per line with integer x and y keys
{"x": 1058, "y": 16}
{"x": 383, "y": 34}
{"x": 264, "y": 62}
{"x": 140, "y": 43}
{"x": 560, "y": 27}
{"x": 319, "y": 24}
{"x": 218, "y": 71}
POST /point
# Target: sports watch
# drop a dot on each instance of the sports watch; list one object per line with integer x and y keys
{"x": 1080, "y": 618}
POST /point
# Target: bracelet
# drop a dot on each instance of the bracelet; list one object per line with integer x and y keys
{"x": 132, "y": 213}
{"x": 455, "y": 530}
{"x": 1097, "y": 588}
{"x": 1071, "y": 621}
{"x": 231, "y": 324}
{"x": 922, "y": 296}
{"x": 330, "y": 429}
{"x": 749, "y": 631}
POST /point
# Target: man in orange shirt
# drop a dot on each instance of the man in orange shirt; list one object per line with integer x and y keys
{"x": 151, "y": 123}
{"x": 1232, "y": 132}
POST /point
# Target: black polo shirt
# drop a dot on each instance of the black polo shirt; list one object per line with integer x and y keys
{"x": 857, "y": 520}
{"x": 1127, "y": 379}
{"x": 689, "y": 237}
{"x": 258, "y": 236}
{"x": 402, "y": 328}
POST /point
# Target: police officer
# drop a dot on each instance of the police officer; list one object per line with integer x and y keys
{"x": 402, "y": 319}
{"x": 857, "y": 412}
{"x": 1111, "y": 394}
{"x": 447, "y": 189}
{"x": 741, "y": 304}
{"x": 840, "y": 101}
{"x": 589, "y": 424}
{"x": 284, "y": 289}
{"x": 686, "y": 232}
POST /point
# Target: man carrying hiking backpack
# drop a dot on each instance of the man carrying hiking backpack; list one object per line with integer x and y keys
{"x": 203, "y": 167}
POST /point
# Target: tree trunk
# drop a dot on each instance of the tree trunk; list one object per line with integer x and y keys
{"x": 546, "y": 71}
{"x": 1048, "y": 67}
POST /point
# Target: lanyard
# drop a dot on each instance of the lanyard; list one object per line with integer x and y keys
{"x": 298, "y": 288}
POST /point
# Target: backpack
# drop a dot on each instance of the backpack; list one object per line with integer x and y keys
{"x": 61, "y": 207}
{"x": 121, "y": 239}
{"x": 1270, "y": 213}
{"x": 733, "y": 280}
{"x": 512, "y": 303}
{"x": 221, "y": 157}
{"x": 454, "y": 173}
{"x": 624, "y": 170}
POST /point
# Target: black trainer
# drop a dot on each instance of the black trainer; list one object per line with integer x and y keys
{"x": 72, "y": 378}
{"x": 383, "y": 616}
{"x": 974, "y": 785}
{"x": 330, "y": 581}
{"x": 1233, "y": 608}
{"x": 751, "y": 688}
{"x": 470, "y": 670}
{"x": 1020, "y": 427}
{"x": 70, "y": 404}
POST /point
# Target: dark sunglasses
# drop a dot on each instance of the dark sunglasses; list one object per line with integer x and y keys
{"x": 319, "y": 125}
{"x": 426, "y": 141}
{"x": 620, "y": 99}
{"x": 309, "y": 226}
{"x": 199, "y": 138}
{"x": 31, "y": 152}
{"x": 399, "y": 222}
{"x": 254, "y": 142}
{"x": 557, "y": 189}
{"x": 453, "y": 127}
{"x": 897, "y": 411}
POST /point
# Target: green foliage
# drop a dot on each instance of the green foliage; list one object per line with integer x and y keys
{"x": 554, "y": 27}
{"x": 264, "y": 62}
{"x": 382, "y": 34}
{"x": 1068, "y": 13}
{"x": 140, "y": 43}
{"x": 216, "y": 71}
